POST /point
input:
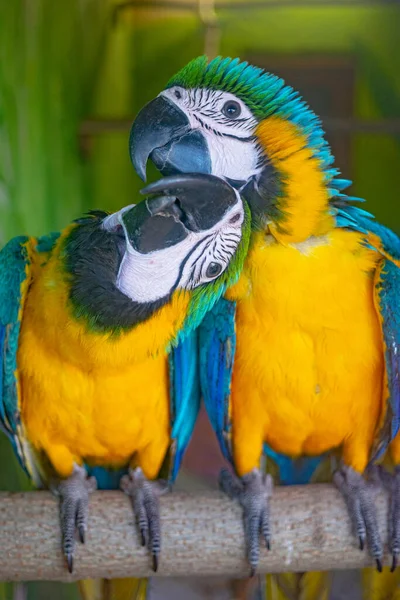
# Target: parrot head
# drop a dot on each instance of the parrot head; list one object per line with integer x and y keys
{"x": 235, "y": 121}
{"x": 189, "y": 236}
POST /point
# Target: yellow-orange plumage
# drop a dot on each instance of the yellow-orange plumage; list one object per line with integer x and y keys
{"x": 88, "y": 396}
{"x": 304, "y": 193}
{"x": 309, "y": 358}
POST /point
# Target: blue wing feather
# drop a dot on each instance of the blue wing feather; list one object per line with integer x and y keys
{"x": 217, "y": 339}
{"x": 2, "y": 340}
{"x": 184, "y": 396}
{"x": 387, "y": 293}
{"x": 14, "y": 271}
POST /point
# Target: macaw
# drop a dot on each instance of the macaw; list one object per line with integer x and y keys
{"x": 300, "y": 359}
{"x": 98, "y": 385}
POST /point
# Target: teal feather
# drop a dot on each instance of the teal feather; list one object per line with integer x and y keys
{"x": 387, "y": 295}
{"x": 184, "y": 397}
{"x": 341, "y": 184}
{"x": 14, "y": 263}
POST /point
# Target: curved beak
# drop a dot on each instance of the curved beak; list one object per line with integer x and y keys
{"x": 177, "y": 206}
{"x": 162, "y": 132}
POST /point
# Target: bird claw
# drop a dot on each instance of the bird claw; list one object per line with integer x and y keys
{"x": 253, "y": 492}
{"x": 394, "y": 563}
{"x": 144, "y": 498}
{"x": 74, "y": 509}
{"x": 391, "y": 481}
{"x": 359, "y": 495}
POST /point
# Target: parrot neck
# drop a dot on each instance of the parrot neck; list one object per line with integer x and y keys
{"x": 53, "y": 324}
{"x": 303, "y": 198}
{"x": 85, "y": 291}
{"x": 92, "y": 260}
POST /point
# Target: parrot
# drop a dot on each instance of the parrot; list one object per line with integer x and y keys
{"x": 299, "y": 361}
{"x": 99, "y": 385}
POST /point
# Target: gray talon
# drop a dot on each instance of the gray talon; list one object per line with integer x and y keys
{"x": 253, "y": 492}
{"x": 391, "y": 481}
{"x": 70, "y": 562}
{"x": 144, "y": 497}
{"x": 359, "y": 496}
{"x": 74, "y": 509}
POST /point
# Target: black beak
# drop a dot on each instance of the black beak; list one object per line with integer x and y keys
{"x": 177, "y": 205}
{"x": 162, "y": 132}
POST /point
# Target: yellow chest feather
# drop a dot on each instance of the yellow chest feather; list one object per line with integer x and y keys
{"x": 309, "y": 360}
{"x": 89, "y": 396}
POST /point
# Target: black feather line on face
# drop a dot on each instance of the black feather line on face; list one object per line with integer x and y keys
{"x": 247, "y": 140}
{"x": 92, "y": 258}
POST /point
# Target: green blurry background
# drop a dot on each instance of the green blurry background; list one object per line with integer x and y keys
{"x": 74, "y": 73}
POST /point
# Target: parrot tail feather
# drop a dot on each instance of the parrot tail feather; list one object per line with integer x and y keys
{"x": 380, "y": 586}
{"x": 297, "y": 586}
{"x": 113, "y": 589}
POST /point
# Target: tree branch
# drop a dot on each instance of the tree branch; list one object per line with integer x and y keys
{"x": 202, "y": 535}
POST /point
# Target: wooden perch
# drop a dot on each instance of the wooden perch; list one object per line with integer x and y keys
{"x": 202, "y": 535}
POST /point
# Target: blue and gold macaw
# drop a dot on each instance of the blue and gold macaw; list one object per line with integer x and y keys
{"x": 95, "y": 390}
{"x": 301, "y": 358}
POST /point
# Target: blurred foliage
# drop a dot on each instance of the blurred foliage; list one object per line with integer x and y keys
{"x": 51, "y": 52}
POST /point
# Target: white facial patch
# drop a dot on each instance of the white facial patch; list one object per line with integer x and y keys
{"x": 186, "y": 265}
{"x": 233, "y": 149}
{"x": 232, "y": 158}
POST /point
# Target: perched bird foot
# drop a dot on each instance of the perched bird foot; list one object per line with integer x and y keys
{"x": 253, "y": 492}
{"x": 144, "y": 496}
{"x": 359, "y": 495}
{"x": 391, "y": 481}
{"x": 74, "y": 509}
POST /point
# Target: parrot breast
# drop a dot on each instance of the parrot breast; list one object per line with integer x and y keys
{"x": 309, "y": 358}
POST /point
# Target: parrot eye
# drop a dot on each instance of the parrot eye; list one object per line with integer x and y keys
{"x": 213, "y": 269}
{"x": 231, "y": 109}
{"x": 177, "y": 94}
